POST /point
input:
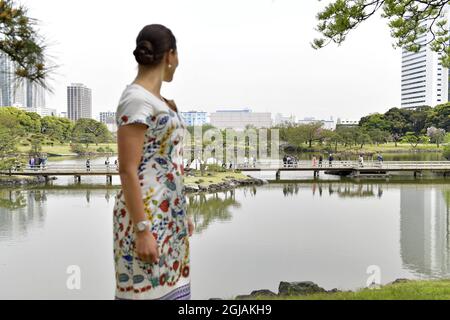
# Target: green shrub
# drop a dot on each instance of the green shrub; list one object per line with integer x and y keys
{"x": 447, "y": 152}
{"x": 78, "y": 148}
{"x": 101, "y": 150}
{"x": 216, "y": 168}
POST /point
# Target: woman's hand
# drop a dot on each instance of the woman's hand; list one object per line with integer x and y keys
{"x": 191, "y": 227}
{"x": 147, "y": 247}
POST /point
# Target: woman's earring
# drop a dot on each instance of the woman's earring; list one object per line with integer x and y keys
{"x": 170, "y": 66}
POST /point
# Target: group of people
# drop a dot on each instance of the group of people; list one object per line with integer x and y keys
{"x": 107, "y": 164}
{"x": 289, "y": 160}
{"x": 318, "y": 161}
{"x": 37, "y": 162}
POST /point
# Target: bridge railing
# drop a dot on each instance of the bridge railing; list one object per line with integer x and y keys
{"x": 68, "y": 168}
{"x": 261, "y": 164}
{"x": 305, "y": 164}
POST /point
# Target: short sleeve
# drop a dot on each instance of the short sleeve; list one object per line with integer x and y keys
{"x": 133, "y": 108}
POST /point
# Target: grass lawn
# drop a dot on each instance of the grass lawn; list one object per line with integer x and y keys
{"x": 410, "y": 290}
{"x": 215, "y": 177}
{"x": 386, "y": 148}
{"x": 401, "y": 147}
{"x": 64, "y": 149}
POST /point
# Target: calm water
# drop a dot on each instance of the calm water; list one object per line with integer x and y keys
{"x": 250, "y": 238}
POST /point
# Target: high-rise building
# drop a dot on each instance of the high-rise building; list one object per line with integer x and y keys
{"x": 79, "y": 102}
{"x": 425, "y": 82}
{"x": 194, "y": 118}
{"x": 18, "y": 92}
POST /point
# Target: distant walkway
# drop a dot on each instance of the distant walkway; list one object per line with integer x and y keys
{"x": 343, "y": 168}
{"x": 351, "y": 168}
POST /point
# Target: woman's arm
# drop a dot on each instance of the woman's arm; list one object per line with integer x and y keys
{"x": 130, "y": 139}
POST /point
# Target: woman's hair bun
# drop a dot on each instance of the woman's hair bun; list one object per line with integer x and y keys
{"x": 144, "y": 53}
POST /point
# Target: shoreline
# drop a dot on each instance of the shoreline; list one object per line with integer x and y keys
{"x": 20, "y": 181}
{"x": 232, "y": 183}
{"x": 400, "y": 289}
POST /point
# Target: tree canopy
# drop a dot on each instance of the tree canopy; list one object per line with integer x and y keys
{"x": 407, "y": 19}
{"x": 21, "y": 42}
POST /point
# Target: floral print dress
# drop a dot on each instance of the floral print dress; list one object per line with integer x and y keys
{"x": 161, "y": 179}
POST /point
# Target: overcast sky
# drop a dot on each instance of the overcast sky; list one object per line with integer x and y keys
{"x": 233, "y": 54}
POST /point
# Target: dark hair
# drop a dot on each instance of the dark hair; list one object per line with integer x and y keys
{"x": 152, "y": 43}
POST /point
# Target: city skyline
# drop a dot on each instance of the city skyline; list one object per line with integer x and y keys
{"x": 244, "y": 57}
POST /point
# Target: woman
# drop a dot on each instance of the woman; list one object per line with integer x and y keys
{"x": 151, "y": 227}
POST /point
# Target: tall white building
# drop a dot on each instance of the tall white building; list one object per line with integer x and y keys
{"x": 79, "y": 102}
{"x": 425, "y": 82}
{"x": 18, "y": 92}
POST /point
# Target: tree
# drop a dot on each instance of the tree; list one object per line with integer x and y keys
{"x": 408, "y": 20}
{"x": 333, "y": 139}
{"x": 375, "y": 122}
{"x": 363, "y": 138}
{"x": 21, "y": 42}
{"x": 88, "y": 131}
{"x": 447, "y": 152}
{"x": 311, "y": 132}
{"x": 36, "y": 144}
{"x": 436, "y": 135}
{"x": 57, "y": 128}
{"x": 414, "y": 139}
{"x": 439, "y": 117}
{"x": 378, "y": 136}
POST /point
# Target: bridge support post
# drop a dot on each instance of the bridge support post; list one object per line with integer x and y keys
{"x": 278, "y": 175}
{"x": 316, "y": 174}
{"x": 417, "y": 174}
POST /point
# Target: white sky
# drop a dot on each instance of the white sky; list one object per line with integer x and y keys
{"x": 233, "y": 54}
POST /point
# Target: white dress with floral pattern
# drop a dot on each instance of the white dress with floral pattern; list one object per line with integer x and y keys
{"x": 161, "y": 179}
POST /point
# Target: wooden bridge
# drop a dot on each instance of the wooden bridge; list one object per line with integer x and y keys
{"x": 351, "y": 168}
{"x": 77, "y": 171}
{"x": 342, "y": 168}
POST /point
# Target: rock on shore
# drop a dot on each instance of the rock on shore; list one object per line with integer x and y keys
{"x": 222, "y": 186}
{"x": 17, "y": 181}
{"x": 288, "y": 289}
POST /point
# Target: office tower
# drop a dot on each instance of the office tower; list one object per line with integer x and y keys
{"x": 425, "y": 82}
{"x": 18, "y": 92}
{"x": 79, "y": 102}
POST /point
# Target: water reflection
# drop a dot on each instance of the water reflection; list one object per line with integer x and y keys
{"x": 343, "y": 190}
{"x": 20, "y": 211}
{"x": 425, "y": 231}
{"x": 405, "y": 229}
{"x": 208, "y": 208}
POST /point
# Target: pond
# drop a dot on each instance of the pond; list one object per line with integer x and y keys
{"x": 246, "y": 239}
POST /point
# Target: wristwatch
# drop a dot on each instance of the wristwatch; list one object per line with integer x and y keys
{"x": 143, "y": 225}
